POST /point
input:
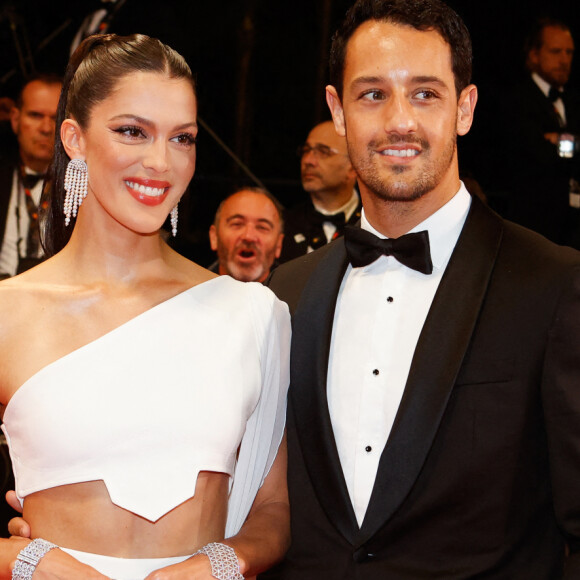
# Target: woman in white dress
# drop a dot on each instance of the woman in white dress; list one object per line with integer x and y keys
{"x": 143, "y": 397}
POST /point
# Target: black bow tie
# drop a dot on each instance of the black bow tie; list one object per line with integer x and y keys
{"x": 29, "y": 180}
{"x": 338, "y": 219}
{"x": 412, "y": 250}
{"x": 554, "y": 94}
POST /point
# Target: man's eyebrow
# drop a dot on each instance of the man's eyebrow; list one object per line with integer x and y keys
{"x": 240, "y": 216}
{"x": 375, "y": 80}
{"x": 428, "y": 79}
{"x": 236, "y": 216}
{"x": 367, "y": 80}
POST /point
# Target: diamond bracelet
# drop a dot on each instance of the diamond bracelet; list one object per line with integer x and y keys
{"x": 29, "y": 557}
{"x": 223, "y": 560}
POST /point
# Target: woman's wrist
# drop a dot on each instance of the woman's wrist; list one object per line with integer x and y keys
{"x": 29, "y": 557}
{"x": 223, "y": 560}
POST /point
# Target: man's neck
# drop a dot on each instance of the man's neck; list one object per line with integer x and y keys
{"x": 331, "y": 201}
{"x": 36, "y": 165}
{"x": 396, "y": 218}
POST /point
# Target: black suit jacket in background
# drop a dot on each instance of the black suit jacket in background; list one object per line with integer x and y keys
{"x": 303, "y": 228}
{"x": 480, "y": 475}
{"x": 6, "y": 176}
{"x": 537, "y": 177}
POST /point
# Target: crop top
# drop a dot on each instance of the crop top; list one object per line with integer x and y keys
{"x": 149, "y": 405}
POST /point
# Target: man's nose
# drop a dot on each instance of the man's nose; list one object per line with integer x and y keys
{"x": 399, "y": 114}
{"x": 47, "y": 125}
{"x": 310, "y": 157}
{"x": 250, "y": 233}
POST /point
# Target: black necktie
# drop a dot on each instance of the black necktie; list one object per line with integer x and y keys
{"x": 412, "y": 250}
{"x": 554, "y": 94}
{"x": 29, "y": 181}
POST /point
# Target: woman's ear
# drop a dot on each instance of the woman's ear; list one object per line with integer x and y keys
{"x": 71, "y": 136}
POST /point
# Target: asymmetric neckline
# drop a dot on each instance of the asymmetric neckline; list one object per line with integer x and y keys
{"x": 134, "y": 320}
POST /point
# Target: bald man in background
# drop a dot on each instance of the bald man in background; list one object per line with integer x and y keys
{"x": 247, "y": 235}
{"x": 329, "y": 179}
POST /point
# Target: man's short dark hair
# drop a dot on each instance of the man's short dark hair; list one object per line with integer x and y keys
{"x": 46, "y": 78}
{"x": 535, "y": 37}
{"x": 422, "y": 15}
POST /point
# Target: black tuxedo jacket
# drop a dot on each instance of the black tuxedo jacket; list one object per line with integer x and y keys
{"x": 480, "y": 477}
{"x": 539, "y": 178}
{"x": 6, "y": 176}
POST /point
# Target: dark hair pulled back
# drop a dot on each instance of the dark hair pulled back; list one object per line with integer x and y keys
{"x": 93, "y": 72}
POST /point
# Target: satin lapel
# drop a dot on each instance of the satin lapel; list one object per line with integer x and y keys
{"x": 312, "y": 328}
{"x": 436, "y": 362}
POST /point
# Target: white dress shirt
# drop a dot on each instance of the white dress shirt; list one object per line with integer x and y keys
{"x": 380, "y": 311}
{"x": 16, "y": 232}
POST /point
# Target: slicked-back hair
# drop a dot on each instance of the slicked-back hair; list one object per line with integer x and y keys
{"x": 95, "y": 68}
{"x": 422, "y": 15}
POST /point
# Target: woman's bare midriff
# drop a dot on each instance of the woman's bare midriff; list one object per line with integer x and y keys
{"x": 81, "y": 517}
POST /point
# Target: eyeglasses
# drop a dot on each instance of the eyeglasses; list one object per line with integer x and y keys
{"x": 320, "y": 151}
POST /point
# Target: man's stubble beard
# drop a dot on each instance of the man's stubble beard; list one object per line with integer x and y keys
{"x": 385, "y": 186}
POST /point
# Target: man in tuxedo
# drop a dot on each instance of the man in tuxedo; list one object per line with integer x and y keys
{"x": 21, "y": 178}
{"x": 434, "y": 405}
{"x": 540, "y": 113}
{"x": 329, "y": 180}
{"x": 247, "y": 234}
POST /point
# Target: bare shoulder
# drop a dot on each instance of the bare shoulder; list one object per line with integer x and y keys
{"x": 25, "y": 305}
{"x": 18, "y": 298}
{"x": 194, "y": 273}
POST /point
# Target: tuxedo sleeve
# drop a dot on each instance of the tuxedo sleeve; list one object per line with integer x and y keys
{"x": 561, "y": 402}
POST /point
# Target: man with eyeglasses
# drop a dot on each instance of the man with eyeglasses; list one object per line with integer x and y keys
{"x": 329, "y": 179}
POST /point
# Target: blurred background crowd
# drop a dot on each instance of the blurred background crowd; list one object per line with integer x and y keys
{"x": 261, "y": 69}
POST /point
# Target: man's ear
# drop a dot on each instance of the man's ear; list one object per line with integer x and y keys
{"x": 335, "y": 106}
{"x": 72, "y": 139}
{"x": 213, "y": 238}
{"x": 465, "y": 109}
{"x": 15, "y": 119}
{"x": 532, "y": 58}
{"x": 279, "y": 246}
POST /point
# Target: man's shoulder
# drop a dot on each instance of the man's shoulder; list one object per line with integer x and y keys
{"x": 528, "y": 96}
{"x": 534, "y": 248}
{"x": 297, "y": 215}
{"x": 7, "y": 166}
{"x": 289, "y": 279}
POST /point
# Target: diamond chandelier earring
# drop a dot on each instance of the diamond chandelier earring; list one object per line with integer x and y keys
{"x": 75, "y": 185}
{"x": 173, "y": 218}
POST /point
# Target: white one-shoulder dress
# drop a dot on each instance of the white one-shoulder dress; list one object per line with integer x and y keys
{"x": 196, "y": 383}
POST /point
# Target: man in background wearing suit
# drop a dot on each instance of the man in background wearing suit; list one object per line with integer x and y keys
{"x": 21, "y": 177}
{"x": 540, "y": 119}
{"x": 329, "y": 180}
{"x": 434, "y": 406}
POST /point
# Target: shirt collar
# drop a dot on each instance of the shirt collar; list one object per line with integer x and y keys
{"x": 348, "y": 208}
{"x": 543, "y": 85}
{"x": 444, "y": 226}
